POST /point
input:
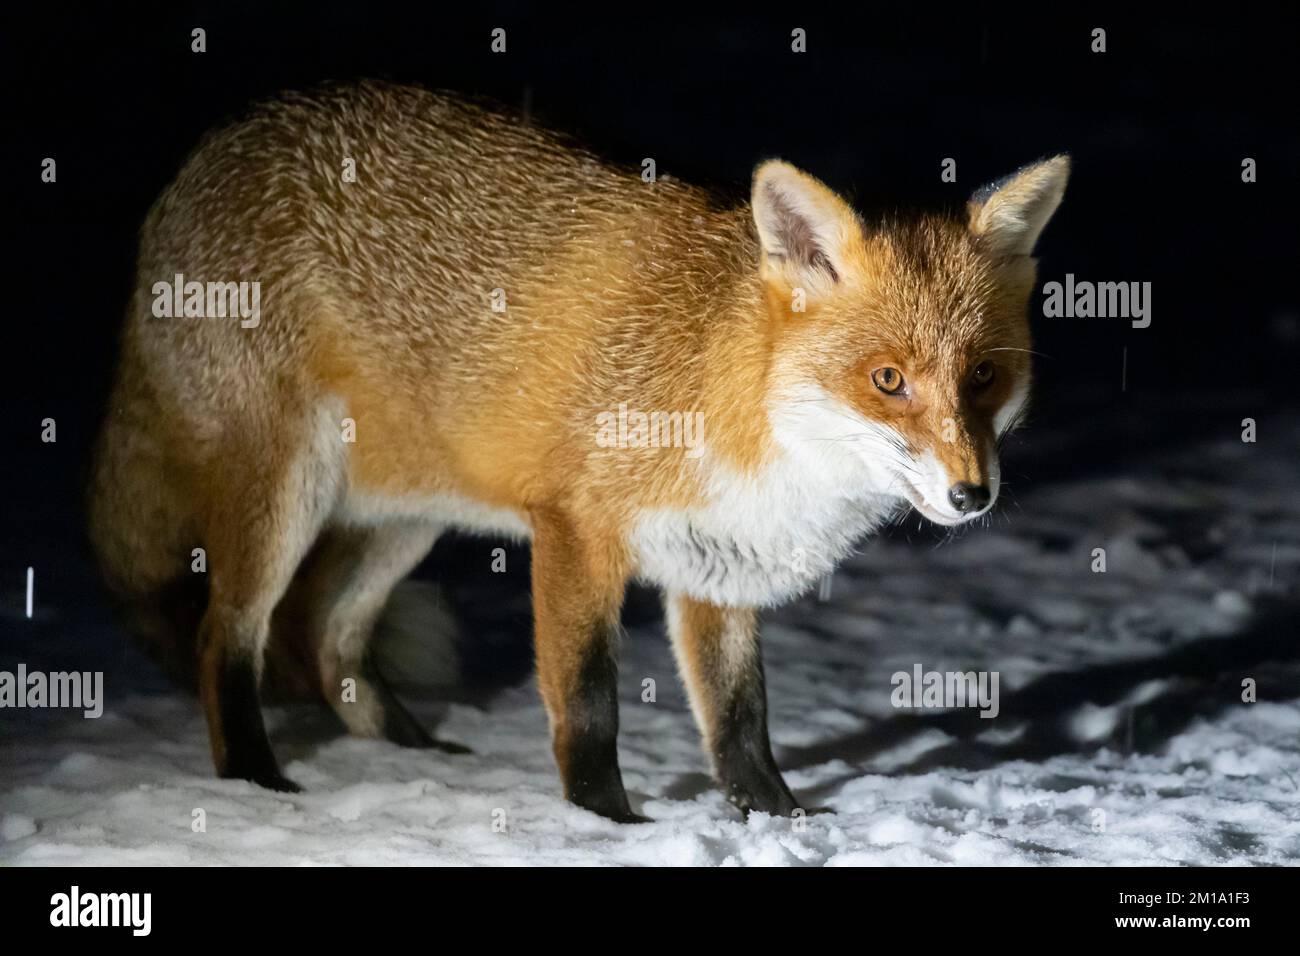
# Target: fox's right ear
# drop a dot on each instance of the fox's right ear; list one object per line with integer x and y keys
{"x": 1009, "y": 215}
{"x": 810, "y": 236}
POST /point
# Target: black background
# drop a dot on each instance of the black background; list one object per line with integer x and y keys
{"x": 1157, "y": 126}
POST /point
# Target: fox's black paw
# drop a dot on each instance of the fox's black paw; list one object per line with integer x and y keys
{"x": 627, "y": 816}
{"x": 776, "y": 804}
{"x": 408, "y": 733}
{"x": 278, "y": 783}
{"x": 766, "y": 797}
{"x": 610, "y": 806}
{"x": 401, "y": 727}
{"x": 267, "y": 779}
{"x": 447, "y": 747}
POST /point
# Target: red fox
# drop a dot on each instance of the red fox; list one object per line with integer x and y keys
{"x": 452, "y": 309}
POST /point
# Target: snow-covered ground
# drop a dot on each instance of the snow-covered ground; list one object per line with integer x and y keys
{"x": 1122, "y": 736}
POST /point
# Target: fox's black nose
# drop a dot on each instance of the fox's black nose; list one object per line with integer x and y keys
{"x": 966, "y": 497}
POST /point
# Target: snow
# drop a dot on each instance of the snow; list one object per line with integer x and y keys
{"x": 1122, "y": 737}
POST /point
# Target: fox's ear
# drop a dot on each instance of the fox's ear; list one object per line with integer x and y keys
{"x": 809, "y": 235}
{"x": 1009, "y": 215}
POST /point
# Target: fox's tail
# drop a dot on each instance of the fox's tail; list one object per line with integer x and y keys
{"x": 415, "y": 640}
{"x": 142, "y": 530}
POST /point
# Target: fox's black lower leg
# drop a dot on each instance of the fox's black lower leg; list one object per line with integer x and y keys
{"x": 718, "y": 654}
{"x": 228, "y": 685}
{"x": 398, "y": 725}
{"x": 577, "y": 592}
{"x": 586, "y": 735}
{"x": 742, "y": 753}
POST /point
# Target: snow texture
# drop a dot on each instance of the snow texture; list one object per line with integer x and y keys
{"x": 1122, "y": 736}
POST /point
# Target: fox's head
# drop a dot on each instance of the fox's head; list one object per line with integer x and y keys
{"x": 900, "y": 354}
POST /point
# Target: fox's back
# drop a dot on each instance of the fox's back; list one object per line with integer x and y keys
{"x": 420, "y": 256}
{"x": 408, "y": 204}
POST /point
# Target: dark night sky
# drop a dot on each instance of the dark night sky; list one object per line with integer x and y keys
{"x": 1157, "y": 125}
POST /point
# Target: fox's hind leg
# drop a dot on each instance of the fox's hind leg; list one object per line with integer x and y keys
{"x": 718, "y": 656}
{"x": 263, "y": 505}
{"x": 350, "y": 576}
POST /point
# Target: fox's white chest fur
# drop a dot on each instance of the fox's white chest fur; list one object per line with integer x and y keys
{"x": 759, "y": 542}
{"x": 763, "y": 539}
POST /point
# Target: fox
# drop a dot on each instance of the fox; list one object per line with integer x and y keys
{"x": 453, "y": 301}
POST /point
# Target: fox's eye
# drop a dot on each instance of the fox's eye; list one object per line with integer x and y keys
{"x": 888, "y": 380}
{"x": 982, "y": 375}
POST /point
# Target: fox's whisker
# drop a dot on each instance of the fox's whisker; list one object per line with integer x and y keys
{"x": 1008, "y": 348}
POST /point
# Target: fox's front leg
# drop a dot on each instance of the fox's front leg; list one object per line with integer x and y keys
{"x": 718, "y": 655}
{"x": 578, "y": 587}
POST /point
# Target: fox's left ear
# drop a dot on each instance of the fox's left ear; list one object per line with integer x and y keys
{"x": 1009, "y": 215}
{"x": 810, "y": 236}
